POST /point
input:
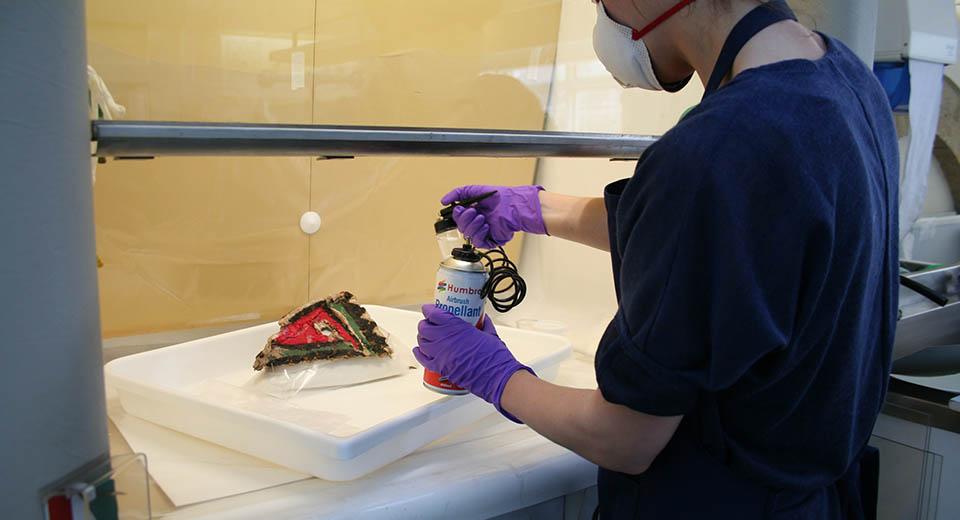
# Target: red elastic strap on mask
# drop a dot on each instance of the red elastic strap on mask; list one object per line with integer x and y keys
{"x": 660, "y": 19}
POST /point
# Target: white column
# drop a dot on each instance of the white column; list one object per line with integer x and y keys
{"x": 52, "y": 418}
{"x": 854, "y": 22}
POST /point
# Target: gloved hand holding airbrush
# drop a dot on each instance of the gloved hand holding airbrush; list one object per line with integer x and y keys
{"x": 493, "y": 221}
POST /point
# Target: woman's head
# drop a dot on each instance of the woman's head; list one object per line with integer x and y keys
{"x": 648, "y": 43}
{"x": 629, "y": 33}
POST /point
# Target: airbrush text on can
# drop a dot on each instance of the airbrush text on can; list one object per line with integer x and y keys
{"x": 460, "y": 281}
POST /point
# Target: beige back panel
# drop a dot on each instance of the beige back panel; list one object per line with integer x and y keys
{"x": 195, "y": 242}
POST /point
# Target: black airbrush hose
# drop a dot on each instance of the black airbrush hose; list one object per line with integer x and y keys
{"x": 505, "y": 288}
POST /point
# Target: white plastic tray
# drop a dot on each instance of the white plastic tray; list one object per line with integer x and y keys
{"x": 336, "y": 434}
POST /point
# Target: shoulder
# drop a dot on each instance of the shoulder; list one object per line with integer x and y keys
{"x": 728, "y": 158}
{"x": 702, "y": 141}
{"x": 722, "y": 141}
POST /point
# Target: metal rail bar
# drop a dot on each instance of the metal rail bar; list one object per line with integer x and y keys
{"x": 147, "y": 139}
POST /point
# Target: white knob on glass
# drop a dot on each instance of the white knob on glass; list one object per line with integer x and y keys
{"x": 310, "y": 222}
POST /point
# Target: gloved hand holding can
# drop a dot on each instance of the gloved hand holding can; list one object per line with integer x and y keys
{"x": 475, "y": 359}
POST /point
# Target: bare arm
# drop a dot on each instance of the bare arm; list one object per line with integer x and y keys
{"x": 580, "y": 219}
{"x": 609, "y": 435}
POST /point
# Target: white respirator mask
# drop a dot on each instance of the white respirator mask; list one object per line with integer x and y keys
{"x": 622, "y": 52}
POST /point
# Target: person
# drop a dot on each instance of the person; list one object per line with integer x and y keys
{"x": 754, "y": 254}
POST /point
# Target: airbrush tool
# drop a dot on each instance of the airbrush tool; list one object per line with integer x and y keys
{"x": 466, "y": 278}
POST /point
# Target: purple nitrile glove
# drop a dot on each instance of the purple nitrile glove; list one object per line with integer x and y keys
{"x": 493, "y": 221}
{"x": 469, "y": 357}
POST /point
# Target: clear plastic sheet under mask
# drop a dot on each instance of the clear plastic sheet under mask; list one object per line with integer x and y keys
{"x": 287, "y": 381}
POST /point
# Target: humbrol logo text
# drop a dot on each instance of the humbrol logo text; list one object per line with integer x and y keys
{"x": 453, "y": 289}
{"x": 459, "y": 293}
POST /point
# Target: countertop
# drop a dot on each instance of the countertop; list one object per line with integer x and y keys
{"x": 494, "y": 468}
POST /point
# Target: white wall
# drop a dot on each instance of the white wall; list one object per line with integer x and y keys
{"x": 566, "y": 281}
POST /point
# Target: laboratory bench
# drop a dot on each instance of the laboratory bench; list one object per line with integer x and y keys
{"x": 498, "y": 469}
{"x": 940, "y": 406}
{"x": 918, "y": 435}
{"x": 495, "y": 469}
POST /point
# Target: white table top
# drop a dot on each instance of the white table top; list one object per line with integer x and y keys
{"x": 495, "y": 468}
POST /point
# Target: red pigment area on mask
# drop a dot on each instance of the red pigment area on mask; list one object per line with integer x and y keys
{"x": 302, "y": 331}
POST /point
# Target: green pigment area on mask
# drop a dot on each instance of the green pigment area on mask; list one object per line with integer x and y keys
{"x": 328, "y": 350}
{"x": 351, "y": 324}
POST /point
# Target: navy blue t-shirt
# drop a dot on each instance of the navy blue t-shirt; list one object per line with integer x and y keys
{"x": 755, "y": 258}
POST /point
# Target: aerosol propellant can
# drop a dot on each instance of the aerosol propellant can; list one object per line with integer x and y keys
{"x": 460, "y": 281}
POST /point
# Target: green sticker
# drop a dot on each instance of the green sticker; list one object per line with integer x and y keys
{"x": 687, "y": 111}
